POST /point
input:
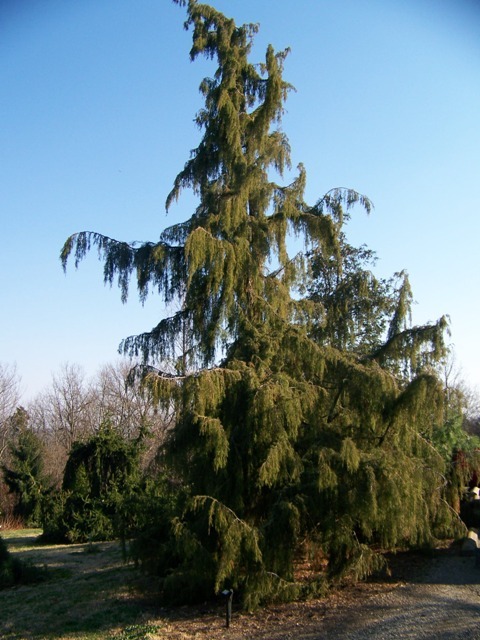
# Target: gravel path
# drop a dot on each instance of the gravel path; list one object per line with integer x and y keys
{"x": 442, "y": 604}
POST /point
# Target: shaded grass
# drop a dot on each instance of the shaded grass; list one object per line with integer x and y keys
{"x": 91, "y": 594}
{"x": 15, "y": 571}
{"x": 21, "y": 539}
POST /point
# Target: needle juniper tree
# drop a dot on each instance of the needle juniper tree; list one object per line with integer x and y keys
{"x": 291, "y": 425}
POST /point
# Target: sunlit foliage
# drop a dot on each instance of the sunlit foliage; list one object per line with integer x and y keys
{"x": 306, "y": 399}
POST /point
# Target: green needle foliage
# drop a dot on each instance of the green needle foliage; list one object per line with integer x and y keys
{"x": 304, "y": 399}
{"x": 24, "y": 475}
{"x": 100, "y": 480}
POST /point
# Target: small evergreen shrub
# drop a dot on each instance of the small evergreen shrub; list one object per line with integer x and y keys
{"x": 100, "y": 477}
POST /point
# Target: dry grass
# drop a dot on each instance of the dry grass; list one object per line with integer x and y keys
{"x": 91, "y": 594}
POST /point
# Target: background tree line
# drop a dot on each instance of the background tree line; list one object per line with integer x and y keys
{"x": 39, "y": 438}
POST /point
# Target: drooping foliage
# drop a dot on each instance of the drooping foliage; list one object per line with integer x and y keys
{"x": 298, "y": 417}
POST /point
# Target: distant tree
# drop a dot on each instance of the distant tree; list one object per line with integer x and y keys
{"x": 71, "y": 409}
{"x": 125, "y": 406}
{"x": 121, "y": 400}
{"x": 460, "y": 395}
{"x": 454, "y": 437}
{"x": 65, "y": 411}
{"x": 24, "y": 474}
{"x": 283, "y": 433}
{"x": 9, "y": 398}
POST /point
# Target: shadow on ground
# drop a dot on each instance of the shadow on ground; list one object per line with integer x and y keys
{"x": 89, "y": 590}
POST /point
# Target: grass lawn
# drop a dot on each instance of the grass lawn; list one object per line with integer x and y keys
{"x": 90, "y": 594}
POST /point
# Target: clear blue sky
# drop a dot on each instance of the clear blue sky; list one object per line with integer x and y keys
{"x": 97, "y": 100}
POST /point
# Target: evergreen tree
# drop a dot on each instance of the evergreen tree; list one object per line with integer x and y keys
{"x": 296, "y": 419}
{"x": 99, "y": 478}
{"x": 24, "y": 475}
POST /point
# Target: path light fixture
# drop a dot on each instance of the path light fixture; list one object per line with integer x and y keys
{"x": 228, "y": 595}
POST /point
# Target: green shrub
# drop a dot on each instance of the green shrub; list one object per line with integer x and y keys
{"x": 100, "y": 476}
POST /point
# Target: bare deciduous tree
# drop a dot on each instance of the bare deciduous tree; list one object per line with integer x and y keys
{"x": 66, "y": 410}
{"x": 122, "y": 400}
{"x": 460, "y": 395}
{"x": 9, "y": 399}
{"x": 73, "y": 408}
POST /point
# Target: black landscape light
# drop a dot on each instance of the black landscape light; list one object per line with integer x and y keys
{"x": 228, "y": 594}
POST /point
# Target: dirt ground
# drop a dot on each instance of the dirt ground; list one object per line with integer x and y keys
{"x": 426, "y": 598}
{"x": 435, "y": 597}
